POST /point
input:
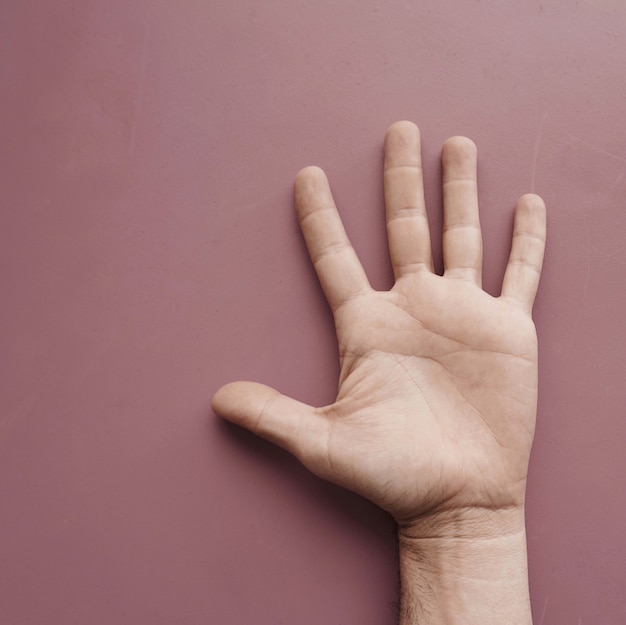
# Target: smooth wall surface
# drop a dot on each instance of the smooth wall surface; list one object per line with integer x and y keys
{"x": 149, "y": 253}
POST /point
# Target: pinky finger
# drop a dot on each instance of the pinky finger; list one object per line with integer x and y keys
{"x": 521, "y": 278}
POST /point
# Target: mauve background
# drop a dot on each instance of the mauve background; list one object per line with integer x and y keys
{"x": 149, "y": 253}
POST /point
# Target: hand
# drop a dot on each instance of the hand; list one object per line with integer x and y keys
{"x": 435, "y": 412}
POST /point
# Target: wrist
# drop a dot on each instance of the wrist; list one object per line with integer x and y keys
{"x": 465, "y": 566}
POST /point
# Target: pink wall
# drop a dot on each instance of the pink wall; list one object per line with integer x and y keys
{"x": 149, "y": 253}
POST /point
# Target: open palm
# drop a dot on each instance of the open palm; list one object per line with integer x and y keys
{"x": 438, "y": 385}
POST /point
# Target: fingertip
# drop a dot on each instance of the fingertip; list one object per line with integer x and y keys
{"x": 223, "y": 398}
{"x": 530, "y": 216}
{"x": 458, "y": 148}
{"x": 308, "y": 175}
{"x": 233, "y": 399}
{"x": 310, "y": 184}
{"x": 531, "y": 202}
{"x": 402, "y": 146}
{"x": 311, "y": 192}
{"x": 401, "y": 127}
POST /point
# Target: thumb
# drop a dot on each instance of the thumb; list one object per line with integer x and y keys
{"x": 290, "y": 424}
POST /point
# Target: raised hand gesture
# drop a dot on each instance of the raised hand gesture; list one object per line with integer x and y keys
{"x": 436, "y": 404}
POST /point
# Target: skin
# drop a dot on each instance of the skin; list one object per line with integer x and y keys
{"x": 436, "y": 405}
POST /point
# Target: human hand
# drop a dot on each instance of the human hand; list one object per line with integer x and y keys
{"x": 436, "y": 405}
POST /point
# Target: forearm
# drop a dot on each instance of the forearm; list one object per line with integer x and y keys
{"x": 465, "y": 571}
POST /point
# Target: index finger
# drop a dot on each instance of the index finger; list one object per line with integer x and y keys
{"x": 337, "y": 266}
